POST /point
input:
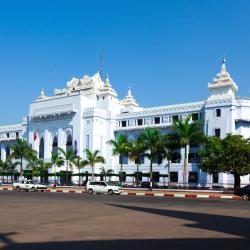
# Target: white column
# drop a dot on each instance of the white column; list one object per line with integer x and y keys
{"x": 47, "y": 150}
{"x": 61, "y": 139}
{"x": 3, "y": 152}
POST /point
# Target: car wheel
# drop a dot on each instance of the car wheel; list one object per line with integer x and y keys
{"x": 91, "y": 191}
{"x": 27, "y": 190}
{"x": 18, "y": 189}
{"x": 110, "y": 192}
{"x": 33, "y": 189}
{"x": 245, "y": 197}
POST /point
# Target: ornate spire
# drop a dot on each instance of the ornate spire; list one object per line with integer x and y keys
{"x": 129, "y": 99}
{"x": 107, "y": 82}
{"x": 42, "y": 96}
{"x": 223, "y": 84}
{"x": 223, "y": 66}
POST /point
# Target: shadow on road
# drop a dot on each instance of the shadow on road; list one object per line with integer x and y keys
{"x": 240, "y": 227}
{"x": 226, "y": 224}
{"x": 154, "y": 244}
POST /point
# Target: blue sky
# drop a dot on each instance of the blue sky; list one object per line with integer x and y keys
{"x": 167, "y": 51}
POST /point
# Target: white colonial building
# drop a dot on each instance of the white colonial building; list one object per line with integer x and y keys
{"x": 87, "y": 114}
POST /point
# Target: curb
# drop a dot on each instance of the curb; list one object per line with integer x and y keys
{"x": 167, "y": 195}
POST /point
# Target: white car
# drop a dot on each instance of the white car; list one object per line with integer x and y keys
{"x": 28, "y": 185}
{"x": 102, "y": 187}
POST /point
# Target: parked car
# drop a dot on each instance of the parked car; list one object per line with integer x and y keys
{"x": 28, "y": 185}
{"x": 243, "y": 192}
{"x": 102, "y": 187}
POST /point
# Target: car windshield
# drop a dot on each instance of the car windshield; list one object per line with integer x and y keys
{"x": 30, "y": 182}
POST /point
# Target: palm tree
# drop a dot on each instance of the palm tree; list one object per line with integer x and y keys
{"x": 33, "y": 163}
{"x": 56, "y": 161}
{"x": 93, "y": 158}
{"x": 68, "y": 157}
{"x": 170, "y": 143}
{"x": 136, "y": 150}
{"x": 3, "y": 167}
{"x": 189, "y": 132}
{"x": 42, "y": 167}
{"x": 151, "y": 139}
{"x": 120, "y": 147}
{"x": 20, "y": 150}
{"x": 11, "y": 166}
{"x": 79, "y": 164}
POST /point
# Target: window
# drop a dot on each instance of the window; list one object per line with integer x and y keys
{"x": 87, "y": 141}
{"x": 123, "y": 159}
{"x": 157, "y": 120}
{"x": 192, "y": 157}
{"x": 55, "y": 145}
{"x": 217, "y": 132}
{"x": 139, "y": 122}
{"x": 175, "y": 118}
{"x": 215, "y": 177}
{"x": 218, "y": 112}
{"x": 139, "y": 175}
{"x": 8, "y": 135}
{"x": 140, "y": 160}
{"x": 122, "y": 176}
{"x": 195, "y": 116}
{"x": 173, "y": 176}
{"x": 103, "y": 184}
{"x": 176, "y": 157}
{"x": 193, "y": 177}
{"x": 69, "y": 143}
{"x": 41, "y": 148}
{"x": 124, "y": 123}
{"x": 157, "y": 159}
{"x": 17, "y": 134}
{"x": 156, "y": 176}
{"x": 7, "y": 151}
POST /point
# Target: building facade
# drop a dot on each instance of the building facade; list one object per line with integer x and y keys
{"x": 87, "y": 113}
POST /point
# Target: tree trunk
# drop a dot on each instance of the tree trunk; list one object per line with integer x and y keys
{"x": 236, "y": 180}
{"x": 67, "y": 174}
{"x": 137, "y": 178}
{"x": 21, "y": 166}
{"x": 185, "y": 166}
{"x": 11, "y": 176}
{"x": 121, "y": 173}
{"x": 79, "y": 177}
{"x": 169, "y": 164}
{"x": 92, "y": 167}
{"x": 54, "y": 174}
{"x": 151, "y": 175}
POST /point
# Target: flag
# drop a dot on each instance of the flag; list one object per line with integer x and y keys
{"x": 35, "y": 136}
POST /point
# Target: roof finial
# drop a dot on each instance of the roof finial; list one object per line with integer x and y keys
{"x": 223, "y": 66}
{"x": 107, "y": 82}
{"x": 129, "y": 91}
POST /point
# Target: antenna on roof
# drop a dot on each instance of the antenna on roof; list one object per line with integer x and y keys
{"x": 101, "y": 64}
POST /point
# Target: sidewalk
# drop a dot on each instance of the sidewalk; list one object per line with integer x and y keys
{"x": 200, "y": 194}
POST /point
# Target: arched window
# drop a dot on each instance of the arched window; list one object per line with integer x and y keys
{"x": 7, "y": 151}
{"x": 41, "y": 148}
{"x": 69, "y": 143}
{"x": 55, "y": 145}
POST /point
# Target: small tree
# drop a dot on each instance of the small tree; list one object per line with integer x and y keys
{"x": 136, "y": 151}
{"x": 3, "y": 168}
{"x": 68, "y": 157}
{"x": 33, "y": 163}
{"x": 120, "y": 147}
{"x": 42, "y": 167}
{"x": 79, "y": 164}
{"x": 93, "y": 158}
{"x": 170, "y": 143}
{"x": 151, "y": 139}
{"x": 189, "y": 132}
{"x": 21, "y": 150}
{"x": 229, "y": 155}
{"x": 56, "y": 161}
{"x": 11, "y": 165}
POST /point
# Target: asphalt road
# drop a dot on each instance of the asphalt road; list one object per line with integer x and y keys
{"x": 83, "y": 221}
